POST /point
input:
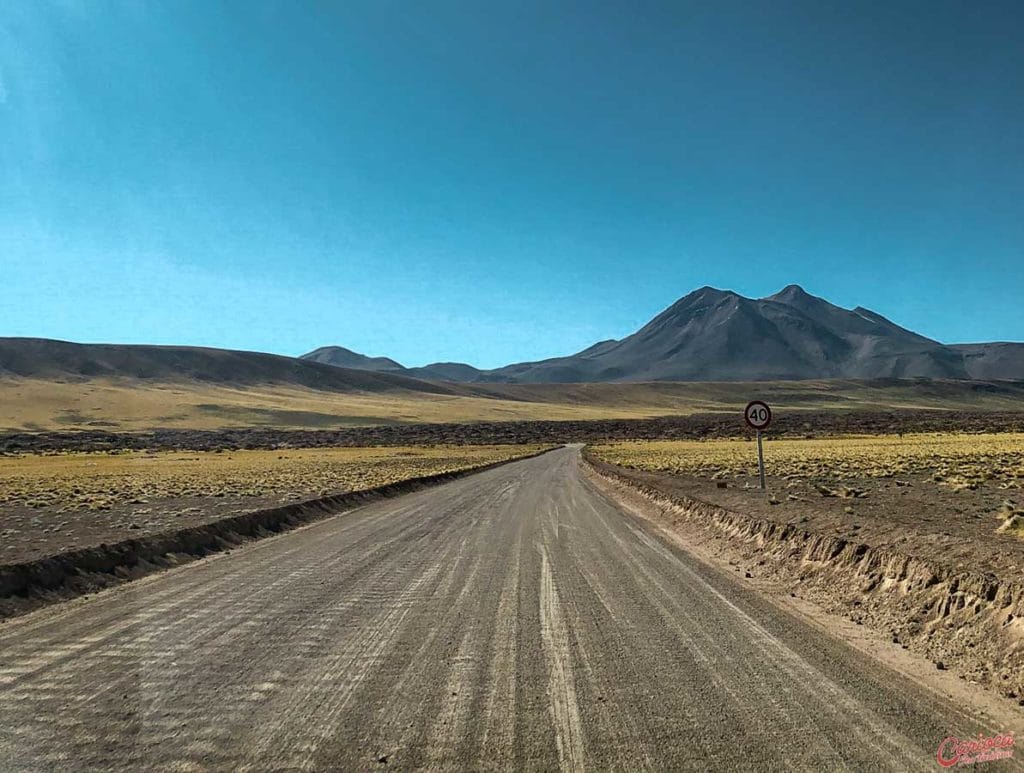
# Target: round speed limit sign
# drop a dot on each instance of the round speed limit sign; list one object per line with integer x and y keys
{"x": 758, "y": 415}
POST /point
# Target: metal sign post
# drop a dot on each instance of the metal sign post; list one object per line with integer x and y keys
{"x": 758, "y": 416}
{"x": 760, "y": 459}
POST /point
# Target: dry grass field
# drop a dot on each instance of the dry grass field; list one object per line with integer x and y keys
{"x": 52, "y": 502}
{"x": 140, "y": 404}
{"x": 118, "y": 405}
{"x": 850, "y": 468}
{"x": 959, "y": 461}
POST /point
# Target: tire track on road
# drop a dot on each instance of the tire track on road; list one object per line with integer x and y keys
{"x": 564, "y": 708}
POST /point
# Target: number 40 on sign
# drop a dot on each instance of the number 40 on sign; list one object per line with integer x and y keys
{"x": 758, "y": 416}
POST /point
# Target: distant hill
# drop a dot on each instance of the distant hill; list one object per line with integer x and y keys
{"x": 446, "y": 371}
{"x": 56, "y": 385}
{"x": 438, "y": 371}
{"x": 42, "y": 358}
{"x": 708, "y": 335}
{"x": 346, "y": 358}
{"x": 718, "y": 335}
{"x": 993, "y": 361}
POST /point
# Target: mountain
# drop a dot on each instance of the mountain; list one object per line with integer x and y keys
{"x": 715, "y": 335}
{"x": 718, "y": 335}
{"x": 346, "y": 358}
{"x": 437, "y": 371}
{"x": 993, "y": 361}
{"x": 445, "y": 371}
{"x": 41, "y": 358}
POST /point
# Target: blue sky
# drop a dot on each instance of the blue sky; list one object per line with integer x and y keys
{"x": 494, "y": 182}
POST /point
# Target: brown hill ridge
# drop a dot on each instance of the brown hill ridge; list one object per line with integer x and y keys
{"x": 41, "y": 358}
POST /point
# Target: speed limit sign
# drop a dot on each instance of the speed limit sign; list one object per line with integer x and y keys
{"x": 758, "y": 415}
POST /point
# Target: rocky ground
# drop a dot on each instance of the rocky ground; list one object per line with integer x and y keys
{"x": 909, "y": 513}
{"x": 708, "y": 425}
{"x": 923, "y": 564}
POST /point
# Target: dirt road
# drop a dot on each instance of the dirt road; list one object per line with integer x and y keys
{"x": 515, "y": 618}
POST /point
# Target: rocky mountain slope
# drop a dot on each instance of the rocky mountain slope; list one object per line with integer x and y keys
{"x": 718, "y": 335}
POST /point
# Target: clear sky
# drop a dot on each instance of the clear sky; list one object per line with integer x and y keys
{"x": 494, "y": 182}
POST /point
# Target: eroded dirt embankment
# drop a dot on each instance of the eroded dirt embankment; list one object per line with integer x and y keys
{"x": 971, "y": 622}
{"x": 30, "y": 584}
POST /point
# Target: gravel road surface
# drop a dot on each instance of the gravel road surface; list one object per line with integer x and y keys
{"x": 512, "y": 619}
